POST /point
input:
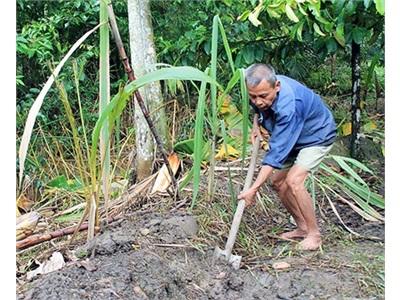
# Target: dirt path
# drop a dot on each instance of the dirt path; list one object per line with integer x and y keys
{"x": 151, "y": 256}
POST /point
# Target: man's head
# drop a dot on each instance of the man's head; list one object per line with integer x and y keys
{"x": 262, "y": 85}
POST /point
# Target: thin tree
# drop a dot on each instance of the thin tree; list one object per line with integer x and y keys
{"x": 143, "y": 58}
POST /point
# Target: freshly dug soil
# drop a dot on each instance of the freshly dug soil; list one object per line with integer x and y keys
{"x": 153, "y": 256}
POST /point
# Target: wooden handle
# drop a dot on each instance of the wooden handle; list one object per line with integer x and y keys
{"x": 240, "y": 208}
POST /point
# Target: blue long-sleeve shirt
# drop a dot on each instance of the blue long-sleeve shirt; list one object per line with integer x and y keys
{"x": 298, "y": 118}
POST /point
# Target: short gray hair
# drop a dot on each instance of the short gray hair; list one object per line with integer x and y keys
{"x": 257, "y": 72}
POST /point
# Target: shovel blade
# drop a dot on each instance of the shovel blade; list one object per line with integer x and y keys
{"x": 233, "y": 260}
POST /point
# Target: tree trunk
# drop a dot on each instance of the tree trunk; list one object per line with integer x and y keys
{"x": 143, "y": 57}
{"x": 355, "y": 100}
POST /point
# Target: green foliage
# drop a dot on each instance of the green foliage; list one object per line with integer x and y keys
{"x": 214, "y": 112}
{"x": 352, "y": 185}
{"x": 118, "y": 103}
{"x": 330, "y": 21}
{"x": 61, "y": 182}
{"x": 300, "y": 38}
{"x": 45, "y": 31}
{"x": 198, "y": 140}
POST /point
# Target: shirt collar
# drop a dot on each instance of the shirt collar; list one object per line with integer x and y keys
{"x": 275, "y": 103}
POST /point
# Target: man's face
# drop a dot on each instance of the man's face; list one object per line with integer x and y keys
{"x": 263, "y": 94}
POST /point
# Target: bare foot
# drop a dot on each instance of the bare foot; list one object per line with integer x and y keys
{"x": 297, "y": 233}
{"x": 311, "y": 242}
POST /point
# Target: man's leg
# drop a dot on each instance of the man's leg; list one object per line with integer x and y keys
{"x": 295, "y": 180}
{"x": 290, "y": 203}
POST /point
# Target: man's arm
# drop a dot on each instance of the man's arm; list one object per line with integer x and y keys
{"x": 249, "y": 195}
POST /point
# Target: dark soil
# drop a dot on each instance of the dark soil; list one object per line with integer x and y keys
{"x": 154, "y": 256}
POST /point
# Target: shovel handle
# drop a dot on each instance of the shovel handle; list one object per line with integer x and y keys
{"x": 240, "y": 208}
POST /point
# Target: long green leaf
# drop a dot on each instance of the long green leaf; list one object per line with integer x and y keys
{"x": 114, "y": 109}
{"x": 380, "y": 6}
{"x": 290, "y": 13}
{"x": 181, "y": 73}
{"x": 368, "y": 196}
{"x": 318, "y": 30}
{"x": 104, "y": 99}
{"x": 226, "y": 45}
{"x": 119, "y": 101}
{"x": 198, "y": 141}
{"x": 354, "y": 162}
{"x": 349, "y": 170}
{"x": 34, "y": 110}
{"x": 245, "y": 113}
{"x": 363, "y": 204}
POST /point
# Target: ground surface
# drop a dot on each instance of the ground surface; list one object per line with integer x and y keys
{"x": 156, "y": 256}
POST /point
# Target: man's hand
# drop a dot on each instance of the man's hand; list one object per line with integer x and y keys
{"x": 248, "y": 196}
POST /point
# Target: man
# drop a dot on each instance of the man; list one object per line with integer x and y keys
{"x": 302, "y": 131}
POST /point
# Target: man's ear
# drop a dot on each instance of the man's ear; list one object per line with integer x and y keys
{"x": 278, "y": 85}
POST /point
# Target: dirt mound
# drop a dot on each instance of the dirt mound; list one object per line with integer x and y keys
{"x": 152, "y": 256}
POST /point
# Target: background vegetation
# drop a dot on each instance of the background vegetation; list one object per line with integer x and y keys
{"x": 311, "y": 41}
{"x": 315, "y": 42}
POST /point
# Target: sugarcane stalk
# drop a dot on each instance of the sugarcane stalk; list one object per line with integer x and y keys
{"x": 40, "y": 238}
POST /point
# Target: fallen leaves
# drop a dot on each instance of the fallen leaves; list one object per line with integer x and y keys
{"x": 281, "y": 265}
{"x": 55, "y": 262}
{"x": 26, "y": 224}
{"x": 163, "y": 179}
{"x": 24, "y": 203}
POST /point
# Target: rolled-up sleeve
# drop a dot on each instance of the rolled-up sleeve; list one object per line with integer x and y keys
{"x": 287, "y": 129}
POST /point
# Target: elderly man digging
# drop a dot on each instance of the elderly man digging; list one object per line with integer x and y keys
{"x": 302, "y": 131}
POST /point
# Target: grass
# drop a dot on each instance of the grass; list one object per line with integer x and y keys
{"x": 358, "y": 260}
{"x": 372, "y": 272}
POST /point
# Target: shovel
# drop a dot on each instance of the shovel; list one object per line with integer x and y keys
{"x": 226, "y": 254}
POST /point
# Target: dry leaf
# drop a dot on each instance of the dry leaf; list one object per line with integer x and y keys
{"x": 55, "y": 262}
{"x": 163, "y": 179}
{"x": 346, "y": 129}
{"x": 232, "y": 152}
{"x": 282, "y": 265}
{"x": 26, "y": 224}
{"x": 17, "y": 213}
{"x": 24, "y": 203}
